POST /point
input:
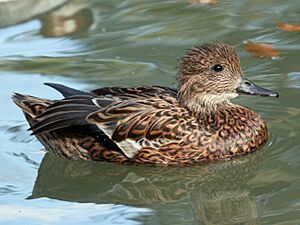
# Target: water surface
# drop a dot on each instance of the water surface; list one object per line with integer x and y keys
{"x": 88, "y": 44}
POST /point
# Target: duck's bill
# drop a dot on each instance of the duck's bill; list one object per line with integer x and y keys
{"x": 249, "y": 88}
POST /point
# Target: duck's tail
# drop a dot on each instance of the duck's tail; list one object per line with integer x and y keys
{"x": 33, "y": 106}
{"x": 30, "y": 105}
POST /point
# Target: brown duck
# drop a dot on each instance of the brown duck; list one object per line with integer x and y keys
{"x": 154, "y": 124}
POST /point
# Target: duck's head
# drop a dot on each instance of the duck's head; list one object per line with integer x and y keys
{"x": 210, "y": 75}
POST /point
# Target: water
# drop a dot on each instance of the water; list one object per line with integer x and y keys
{"x": 137, "y": 43}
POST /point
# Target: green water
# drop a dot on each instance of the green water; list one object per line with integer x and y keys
{"x": 137, "y": 43}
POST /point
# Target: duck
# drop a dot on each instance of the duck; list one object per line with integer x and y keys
{"x": 194, "y": 123}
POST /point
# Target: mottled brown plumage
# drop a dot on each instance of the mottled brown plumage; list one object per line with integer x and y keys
{"x": 153, "y": 124}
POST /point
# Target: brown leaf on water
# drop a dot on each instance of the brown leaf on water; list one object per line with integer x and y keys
{"x": 288, "y": 27}
{"x": 209, "y": 2}
{"x": 262, "y": 49}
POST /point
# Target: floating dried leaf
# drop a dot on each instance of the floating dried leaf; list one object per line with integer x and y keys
{"x": 288, "y": 27}
{"x": 262, "y": 49}
{"x": 209, "y": 2}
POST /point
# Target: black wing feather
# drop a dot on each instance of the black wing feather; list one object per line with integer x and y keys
{"x": 66, "y": 91}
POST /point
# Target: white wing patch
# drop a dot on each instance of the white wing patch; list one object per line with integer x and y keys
{"x": 129, "y": 147}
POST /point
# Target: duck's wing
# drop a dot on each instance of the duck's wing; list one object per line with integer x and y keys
{"x": 138, "y": 123}
{"x": 131, "y": 125}
{"x": 132, "y": 118}
{"x": 68, "y": 112}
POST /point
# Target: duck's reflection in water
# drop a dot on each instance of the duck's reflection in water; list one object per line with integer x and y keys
{"x": 215, "y": 193}
{"x": 220, "y": 203}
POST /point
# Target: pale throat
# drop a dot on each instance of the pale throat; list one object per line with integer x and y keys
{"x": 207, "y": 103}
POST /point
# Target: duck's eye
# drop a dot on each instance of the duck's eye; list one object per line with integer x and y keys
{"x": 217, "y": 68}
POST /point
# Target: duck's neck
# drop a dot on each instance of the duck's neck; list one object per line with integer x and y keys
{"x": 206, "y": 104}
